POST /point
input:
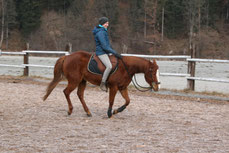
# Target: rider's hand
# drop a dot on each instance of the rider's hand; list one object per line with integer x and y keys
{"x": 118, "y": 55}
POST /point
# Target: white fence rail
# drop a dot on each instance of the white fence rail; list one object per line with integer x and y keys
{"x": 26, "y": 64}
{"x": 187, "y": 75}
{"x": 7, "y": 65}
{"x": 159, "y": 56}
{"x": 208, "y": 79}
{"x": 33, "y": 65}
{"x": 45, "y": 52}
{"x": 12, "y": 53}
{"x": 207, "y": 60}
{"x": 24, "y": 52}
{"x": 175, "y": 74}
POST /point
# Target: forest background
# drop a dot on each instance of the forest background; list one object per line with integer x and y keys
{"x": 156, "y": 27}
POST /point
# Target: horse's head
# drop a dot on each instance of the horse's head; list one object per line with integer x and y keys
{"x": 152, "y": 75}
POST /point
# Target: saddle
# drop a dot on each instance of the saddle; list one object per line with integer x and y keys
{"x": 95, "y": 66}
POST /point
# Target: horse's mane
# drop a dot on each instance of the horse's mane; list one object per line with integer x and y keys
{"x": 135, "y": 60}
{"x": 136, "y": 64}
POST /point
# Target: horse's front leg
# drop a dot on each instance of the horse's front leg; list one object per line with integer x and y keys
{"x": 112, "y": 93}
{"x": 125, "y": 95}
{"x": 80, "y": 93}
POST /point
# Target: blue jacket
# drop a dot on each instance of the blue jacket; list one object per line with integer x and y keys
{"x": 102, "y": 41}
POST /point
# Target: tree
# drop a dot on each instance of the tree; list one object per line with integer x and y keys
{"x": 136, "y": 16}
{"x": 3, "y": 22}
{"x": 151, "y": 7}
{"x": 29, "y": 13}
{"x": 57, "y": 5}
{"x": 11, "y": 22}
{"x": 11, "y": 14}
{"x": 215, "y": 10}
{"x": 174, "y": 22}
{"x": 161, "y": 17}
{"x": 77, "y": 7}
{"x": 193, "y": 16}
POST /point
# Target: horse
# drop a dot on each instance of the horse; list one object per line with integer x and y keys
{"x": 73, "y": 67}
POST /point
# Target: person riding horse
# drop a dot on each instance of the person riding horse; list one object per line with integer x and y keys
{"x": 103, "y": 49}
{"x": 74, "y": 68}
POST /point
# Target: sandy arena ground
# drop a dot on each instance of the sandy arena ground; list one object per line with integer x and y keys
{"x": 151, "y": 123}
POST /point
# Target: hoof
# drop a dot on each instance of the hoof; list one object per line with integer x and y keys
{"x": 115, "y": 111}
{"x": 109, "y": 116}
{"x": 109, "y": 113}
{"x": 89, "y": 114}
{"x": 70, "y": 111}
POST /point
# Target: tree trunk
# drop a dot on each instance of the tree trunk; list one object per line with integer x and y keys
{"x": 7, "y": 35}
{"x": 154, "y": 16}
{"x": 3, "y": 20}
{"x": 191, "y": 35}
{"x": 199, "y": 19}
{"x": 7, "y": 26}
{"x": 145, "y": 21}
{"x": 199, "y": 29}
{"x": 191, "y": 25}
{"x": 162, "y": 24}
{"x": 227, "y": 17}
{"x": 207, "y": 14}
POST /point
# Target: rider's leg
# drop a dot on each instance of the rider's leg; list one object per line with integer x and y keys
{"x": 106, "y": 61}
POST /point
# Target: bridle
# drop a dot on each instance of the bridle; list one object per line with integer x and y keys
{"x": 135, "y": 83}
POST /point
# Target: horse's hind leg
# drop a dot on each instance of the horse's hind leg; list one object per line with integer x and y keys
{"x": 125, "y": 95}
{"x": 80, "y": 94}
{"x": 71, "y": 86}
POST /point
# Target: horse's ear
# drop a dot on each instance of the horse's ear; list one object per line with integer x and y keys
{"x": 154, "y": 61}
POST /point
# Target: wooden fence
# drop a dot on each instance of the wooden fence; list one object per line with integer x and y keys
{"x": 190, "y": 75}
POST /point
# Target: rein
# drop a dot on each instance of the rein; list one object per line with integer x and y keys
{"x": 135, "y": 83}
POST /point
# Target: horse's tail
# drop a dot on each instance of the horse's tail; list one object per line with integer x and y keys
{"x": 58, "y": 75}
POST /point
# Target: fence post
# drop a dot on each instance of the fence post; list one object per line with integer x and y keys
{"x": 69, "y": 48}
{"x": 26, "y": 61}
{"x": 191, "y": 68}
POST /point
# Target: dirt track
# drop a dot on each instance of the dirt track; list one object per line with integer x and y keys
{"x": 149, "y": 124}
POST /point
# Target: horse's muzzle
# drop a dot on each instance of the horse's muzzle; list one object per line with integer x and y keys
{"x": 156, "y": 86}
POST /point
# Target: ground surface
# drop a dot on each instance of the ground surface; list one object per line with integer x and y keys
{"x": 151, "y": 123}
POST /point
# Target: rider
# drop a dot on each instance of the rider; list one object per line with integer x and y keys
{"x": 103, "y": 48}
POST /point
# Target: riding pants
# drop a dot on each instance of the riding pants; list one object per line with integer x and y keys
{"x": 106, "y": 61}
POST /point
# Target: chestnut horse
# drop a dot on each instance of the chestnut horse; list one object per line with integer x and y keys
{"x": 74, "y": 68}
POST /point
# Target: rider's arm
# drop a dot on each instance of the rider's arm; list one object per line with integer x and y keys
{"x": 104, "y": 43}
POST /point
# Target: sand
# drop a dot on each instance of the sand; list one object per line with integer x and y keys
{"x": 151, "y": 123}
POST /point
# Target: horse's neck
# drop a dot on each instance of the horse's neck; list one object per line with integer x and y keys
{"x": 136, "y": 65}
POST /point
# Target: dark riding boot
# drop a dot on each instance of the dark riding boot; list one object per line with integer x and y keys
{"x": 103, "y": 86}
